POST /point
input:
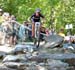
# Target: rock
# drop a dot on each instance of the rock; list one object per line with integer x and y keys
{"x": 5, "y": 48}
{"x": 52, "y": 65}
{"x": 15, "y": 65}
{"x": 71, "y": 62}
{"x": 53, "y": 41}
{"x": 21, "y": 66}
{"x": 38, "y": 67}
{"x": 73, "y": 46}
{"x": 35, "y": 53}
{"x": 57, "y": 64}
{"x": 57, "y": 69}
{"x": 2, "y": 68}
{"x": 56, "y": 56}
{"x": 23, "y": 48}
{"x": 15, "y": 58}
{"x": 68, "y": 46}
{"x": 37, "y": 59}
{"x": 2, "y": 54}
{"x": 49, "y": 50}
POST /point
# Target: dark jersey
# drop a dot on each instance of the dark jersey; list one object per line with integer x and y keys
{"x": 35, "y": 18}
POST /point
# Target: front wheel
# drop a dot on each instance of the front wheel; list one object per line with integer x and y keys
{"x": 37, "y": 42}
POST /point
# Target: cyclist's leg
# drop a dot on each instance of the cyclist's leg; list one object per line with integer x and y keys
{"x": 33, "y": 29}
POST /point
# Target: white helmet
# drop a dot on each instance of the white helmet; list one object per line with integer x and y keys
{"x": 38, "y": 10}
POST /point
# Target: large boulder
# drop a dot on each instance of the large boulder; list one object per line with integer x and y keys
{"x": 53, "y": 41}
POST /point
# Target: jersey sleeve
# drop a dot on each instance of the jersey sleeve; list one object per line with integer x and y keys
{"x": 41, "y": 16}
{"x": 31, "y": 18}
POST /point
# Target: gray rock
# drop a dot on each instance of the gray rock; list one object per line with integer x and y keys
{"x": 57, "y": 69}
{"x": 54, "y": 50}
{"x": 15, "y": 58}
{"x": 57, "y": 64}
{"x": 68, "y": 46}
{"x": 23, "y": 48}
{"x": 15, "y": 65}
{"x": 56, "y": 56}
{"x": 3, "y": 67}
{"x": 53, "y": 41}
{"x": 38, "y": 67}
{"x": 20, "y": 65}
{"x": 73, "y": 46}
{"x": 54, "y": 65}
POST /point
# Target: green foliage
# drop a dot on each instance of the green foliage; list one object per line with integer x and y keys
{"x": 59, "y": 12}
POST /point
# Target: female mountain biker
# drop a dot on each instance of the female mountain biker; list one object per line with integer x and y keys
{"x": 36, "y": 17}
{"x": 36, "y": 24}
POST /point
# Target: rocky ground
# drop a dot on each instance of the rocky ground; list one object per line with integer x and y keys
{"x": 50, "y": 64}
{"x": 25, "y": 56}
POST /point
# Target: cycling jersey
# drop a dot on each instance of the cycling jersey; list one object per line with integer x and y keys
{"x": 35, "y": 18}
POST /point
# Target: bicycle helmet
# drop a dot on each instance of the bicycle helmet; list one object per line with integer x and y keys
{"x": 38, "y": 10}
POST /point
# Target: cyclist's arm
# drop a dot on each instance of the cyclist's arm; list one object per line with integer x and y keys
{"x": 42, "y": 16}
{"x": 31, "y": 18}
{"x": 44, "y": 20}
